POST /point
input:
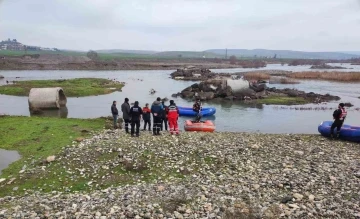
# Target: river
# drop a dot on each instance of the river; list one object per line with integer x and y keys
{"x": 230, "y": 116}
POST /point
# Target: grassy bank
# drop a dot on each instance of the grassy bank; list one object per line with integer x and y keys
{"x": 73, "y": 87}
{"x": 281, "y": 100}
{"x": 36, "y": 138}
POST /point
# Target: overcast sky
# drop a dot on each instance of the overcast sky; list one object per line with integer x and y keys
{"x": 307, "y": 25}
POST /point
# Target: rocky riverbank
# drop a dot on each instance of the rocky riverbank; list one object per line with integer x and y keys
{"x": 220, "y": 89}
{"x": 194, "y": 175}
{"x": 192, "y": 73}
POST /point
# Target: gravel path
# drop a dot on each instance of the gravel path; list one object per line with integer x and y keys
{"x": 199, "y": 175}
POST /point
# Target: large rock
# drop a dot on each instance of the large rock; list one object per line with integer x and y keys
{"x": 227, "y": 92}
{"x": 187, "y": 94}
{"x": 206, "y": 95}
{"x": 1, "y": 77}
{"x": 258, "y": 87}
{"x": 245, "y": 93}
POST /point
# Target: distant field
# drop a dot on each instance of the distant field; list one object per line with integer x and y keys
{"x": 102, "y": 56}
{"x": 20, "y": 53}
{"x": 120, "y": 55}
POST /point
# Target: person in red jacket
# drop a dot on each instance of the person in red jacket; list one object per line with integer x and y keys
{"x": 172, "y": 113}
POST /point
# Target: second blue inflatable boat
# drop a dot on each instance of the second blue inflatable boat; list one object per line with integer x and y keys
{"x": 188, "y": 111}
{"x": 347, "y": 132}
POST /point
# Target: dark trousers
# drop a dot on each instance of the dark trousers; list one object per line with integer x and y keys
{"x": 157, "y": 125}
{"x": 147, "y": 122}
{"x": 126, "y": 121}
{"x": 133, "y": 124}
{"x": 164, "y": 121}
{"x": 115, "y": 117}
{"x": 337, "y": 124}
{"x": 198, "y": 117}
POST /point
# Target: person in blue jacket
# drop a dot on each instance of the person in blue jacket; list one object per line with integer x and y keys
{"x": 156, "y": 110}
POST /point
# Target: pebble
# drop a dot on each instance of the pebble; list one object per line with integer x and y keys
{"x": 293, "y": 206}
{"x": 298, "y": 196}
{"x": 311, "y": 198}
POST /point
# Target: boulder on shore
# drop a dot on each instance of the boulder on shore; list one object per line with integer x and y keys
{"x": 222, "y": 88}
{"x": 1, "y": 77}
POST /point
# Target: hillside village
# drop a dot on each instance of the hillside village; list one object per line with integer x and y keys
{"x": 14, "y": 45}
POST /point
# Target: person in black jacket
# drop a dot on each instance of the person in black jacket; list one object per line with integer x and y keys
{"x": 135, "y": 114}
{"x": 125, "y": 108}
{"x": 197, "y": 110}
{"x": 156, "y": 110}
{"x": 339, "y": 116}
{"x": 164, "y": 120}
{"x": 115, "y": 113}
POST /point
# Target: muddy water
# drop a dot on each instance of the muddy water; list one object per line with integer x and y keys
{"x": 230, "y": 116}
{"x": 7, "y": 157}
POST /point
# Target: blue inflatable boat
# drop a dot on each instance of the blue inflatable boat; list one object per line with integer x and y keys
{"x": 188, "y": 111}
{"x": 347, "y": 132}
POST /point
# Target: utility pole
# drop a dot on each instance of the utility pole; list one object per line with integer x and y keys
{"x": 226, "y": 53}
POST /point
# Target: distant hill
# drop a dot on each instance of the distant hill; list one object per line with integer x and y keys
{"x": 187, "y": 54}
{"x": 124, "y": 51}
{"x": 283, "y": 54}
{"x": 352, "y": 52}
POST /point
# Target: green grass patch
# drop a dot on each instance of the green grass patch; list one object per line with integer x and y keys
{"x": 279, "y": 100}
{"x": 36, "y": 138}
{"x": 20, "y": 53}
{"x": 77, "y": 87}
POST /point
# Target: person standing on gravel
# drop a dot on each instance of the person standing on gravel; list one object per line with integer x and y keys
{"x": 115, "y": 113}
{"x": 135, "y": 114}
{"x": 147, "y": 117}
{"x": 125, "y": 108}
{"x": 156, "y": 110}
{"x": 339, "y": 116}
{"x": 173, "y": 115}
{"x": 164, "y": 120}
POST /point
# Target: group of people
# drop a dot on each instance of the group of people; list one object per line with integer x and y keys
{"x": 162, "y": 116}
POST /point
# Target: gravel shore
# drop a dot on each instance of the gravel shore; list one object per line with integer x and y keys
{"x": 196, "y": 175}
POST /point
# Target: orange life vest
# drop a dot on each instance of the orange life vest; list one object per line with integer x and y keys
{"x": 343, "y": 114}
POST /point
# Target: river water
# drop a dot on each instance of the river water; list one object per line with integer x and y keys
{"x": 7, "y": 157}
{"x": 230, "y": 116}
